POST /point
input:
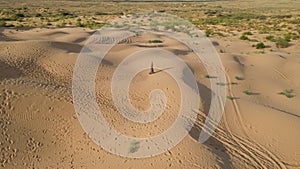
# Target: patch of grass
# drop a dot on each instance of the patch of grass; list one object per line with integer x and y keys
{"x": 232, "y": 98}
{"x": 239, "y": 78}
{"x": 224, "y": 84}
{"x": 2, "y": 23}
{"x": 134, "y": 146}
{"x": 260, "y": 45}
{"x": 247, "y": 92}
{"x": 219, "y": 34}
{"x": 282, "y": 43}
{"x": 20, "y": 15}
{"x": 222, "y": 51}
{"x": 244, "y": 37}
{"x": 210, "y": 77}
{"x": 65, "y": 13}
{"x": 38, "y": 15}
{"x": 209, "y": 32}
{"x": 78, "y": 24}
{"x": 89, "y": 24}
{"x": 288, "y": 93}
{"x": 253, "y": 40}
{"x": 93, "y": 25}
{"x": 9, "y": 25}
{"x": 271, "y": 38}
{"x": 155, "y": 41}
{"x": 248, "y": 33}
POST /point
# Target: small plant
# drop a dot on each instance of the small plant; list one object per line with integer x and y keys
{"x": 38, "y": 15}
{"x": 253, "y": 40}
{"x": 260, "y": 45}
{"x": 65, "y": 13}
{"x": 222, "y": 51}
{"x": 271, "y": 38}
{"x": 9, "y": 25}
{"x": 282, "y": 43}
{"x": 288, "y": 37}
{"x": 244, "y": 37}
{"x": 2, "y": 24}
{"x": 287, "y": 93}
{"x": 78, "y": 24}
{"x": 210, "y": 77}
{"x": 239, "y": 78}
{"x": 19, "y": 15}
{"x": 231, "y": 98}
{"x": 248, "y": 33}
{"x": 134, "y": 146}
{"x": 247, "y": 92}
{"x": 219, "y": 34}
{"x": 208, "y": 32}
{"x": 155, "y": 41}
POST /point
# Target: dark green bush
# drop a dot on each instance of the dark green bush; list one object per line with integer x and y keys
{"x": 155, "y": 41}
{"x": 244, "y": 37}
{"x": 248, "y": 33}
{"x": 260, "y": 45}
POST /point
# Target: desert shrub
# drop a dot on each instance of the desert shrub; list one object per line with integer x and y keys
{"x": 9, "y": 25}
{"x": 260, "y": 45}
{"x": 271, "y": 38}
{"x": 208, "y": 32}
{"x": 239, "y": 78}
{"x": 101, "y": 13}
{"x": 210, "y": 76}
{"x": 92, "y": 25}
{"x": 282, "y": 43}
{"x": 65, "y": 13}
{"x": 248, "y": 92}
{"x": 288, "y": 37}
{"x": 287, "y": 93}
{"x": 291, "y": 35}
{"x": 19, "y": 26}
{"x": 230, "y": 97}
{"x": 222, "y": 51}
{"x": 38, "y": 15}
{"x": 244, "y": 37}
{"x": 248, "y": 33}
{"x": 253, "y": 40}
{"x": 155, "y": 41}
{"x": 20, "y": 15}
{"x": 78, "y": 24}
{"x": 2, "y": 23}
{"x": 219, "y": 34}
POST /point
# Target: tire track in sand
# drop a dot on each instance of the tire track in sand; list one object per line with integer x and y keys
{"x": 254, "y": 149}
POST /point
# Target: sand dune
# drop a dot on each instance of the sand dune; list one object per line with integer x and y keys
{"x": 40, "y": 127}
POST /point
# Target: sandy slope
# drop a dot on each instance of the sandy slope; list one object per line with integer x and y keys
{"x": 39, "y": 127}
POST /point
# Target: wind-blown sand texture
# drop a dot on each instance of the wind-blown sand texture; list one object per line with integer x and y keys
{"x": 40, "y": 129}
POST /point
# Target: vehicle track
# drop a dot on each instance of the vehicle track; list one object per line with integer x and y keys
{"x": 263, "y": 157}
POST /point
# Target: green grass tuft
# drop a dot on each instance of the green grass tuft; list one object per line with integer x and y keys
{"x": 155, "y": 41}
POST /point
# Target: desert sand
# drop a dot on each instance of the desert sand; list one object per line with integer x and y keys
{"x": 40, "y": 129}
{"x": 259, "y": 127}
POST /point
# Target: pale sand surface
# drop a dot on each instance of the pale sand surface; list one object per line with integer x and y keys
{"x": 40, "y": 129}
